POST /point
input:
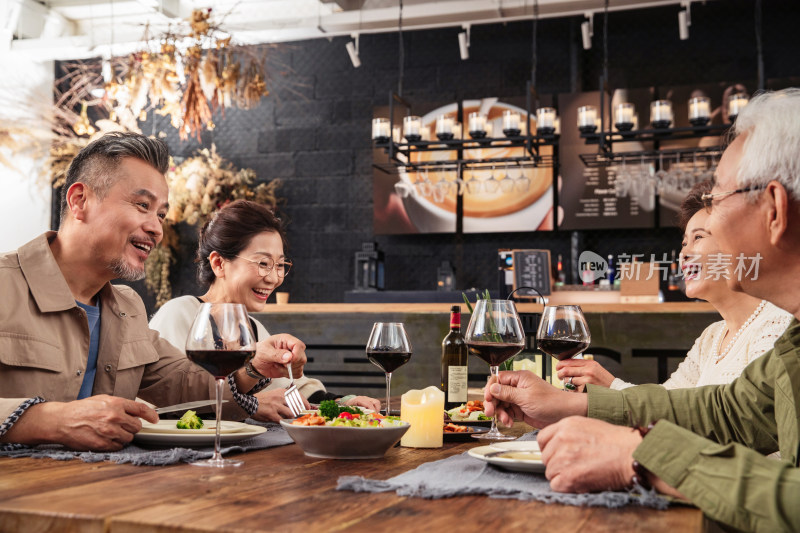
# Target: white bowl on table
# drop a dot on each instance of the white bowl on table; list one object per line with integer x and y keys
{"x": 341, "y": 442}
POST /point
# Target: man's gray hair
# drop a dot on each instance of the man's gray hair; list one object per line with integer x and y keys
{"x": 772, "y": 148}
{"x": 96, "y": 164}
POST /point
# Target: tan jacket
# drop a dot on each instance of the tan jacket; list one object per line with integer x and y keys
{"x": 44, "y": 341}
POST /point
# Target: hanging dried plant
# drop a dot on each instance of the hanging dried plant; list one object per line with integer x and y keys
{"x": 252, "y": 86}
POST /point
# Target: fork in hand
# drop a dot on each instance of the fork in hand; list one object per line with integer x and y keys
{"x": 293, "y": 398}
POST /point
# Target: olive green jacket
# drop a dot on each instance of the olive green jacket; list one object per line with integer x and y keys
{"x": 711, "y": 441}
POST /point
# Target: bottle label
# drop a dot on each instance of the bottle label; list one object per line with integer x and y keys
{"x": 457, "y": 384}
{"x": 455, "y": 320}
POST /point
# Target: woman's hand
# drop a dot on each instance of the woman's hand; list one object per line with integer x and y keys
{"x": 583, "y": 371}
{"x": 272, "y": 406}
{"x": 275, "y": 352}
{"x": 365, "y": 402}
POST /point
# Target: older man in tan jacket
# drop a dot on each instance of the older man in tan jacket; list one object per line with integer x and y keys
{"x": 75, "y": 350}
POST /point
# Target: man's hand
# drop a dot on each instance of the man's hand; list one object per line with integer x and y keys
{"x": 275, "y": 352}
{"x": 587, "y": 455}
{"x": 523, "y": 395}
{"x": 102, "y": 423}
{"x": 272, "y": 406}
{"x": 584, "y": 371}
{"x": 365, "y": 402}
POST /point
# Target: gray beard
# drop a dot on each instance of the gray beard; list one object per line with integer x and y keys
{"x": 124, "y": 271}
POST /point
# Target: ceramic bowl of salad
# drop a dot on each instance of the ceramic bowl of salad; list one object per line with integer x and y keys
{"x": 344, "y": 434}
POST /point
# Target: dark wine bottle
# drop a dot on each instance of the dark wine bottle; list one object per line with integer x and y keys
{"x": 454, "y": 362}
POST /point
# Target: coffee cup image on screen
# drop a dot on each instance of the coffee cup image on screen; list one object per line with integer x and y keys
{"x": 499, "y": 197}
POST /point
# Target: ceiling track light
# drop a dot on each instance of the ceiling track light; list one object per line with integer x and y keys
{"x": 587, "y": 31}
{"x": 352, "y": 50}
{"x": 684, "y": 20}
{"x": 463, "y": 42}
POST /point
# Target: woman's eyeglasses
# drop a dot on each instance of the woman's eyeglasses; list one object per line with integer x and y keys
{"x": 266, "y": 265}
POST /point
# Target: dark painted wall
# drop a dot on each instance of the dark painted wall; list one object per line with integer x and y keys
{"x": 313, "y": 131}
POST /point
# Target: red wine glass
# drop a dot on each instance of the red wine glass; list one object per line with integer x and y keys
{"x": 388, "y": 348}
{"x": 495, "y": 335}
{"x": 221, "y": 341}
{"x": 564, "y": 334}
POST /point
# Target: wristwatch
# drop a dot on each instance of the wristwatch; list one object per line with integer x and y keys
{"x": 252, "y": 372}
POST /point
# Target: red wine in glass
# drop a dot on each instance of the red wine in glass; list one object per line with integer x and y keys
{"x": 495, "y": 354}
{"x": 495, "y": 335}
{"x": 388, "y": 348}
{"x": 220, "y": 341}
{"x": 562, "y": 348}
{"x": 220, "y": 363}
{"x": 563, "y": 333}
{"x": 388, "y": 361}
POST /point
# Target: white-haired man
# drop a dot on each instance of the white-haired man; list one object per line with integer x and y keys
{"x": 707, "y": 445}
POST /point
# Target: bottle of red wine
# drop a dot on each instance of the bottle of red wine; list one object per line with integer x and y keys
{"x": 454, "y": 362}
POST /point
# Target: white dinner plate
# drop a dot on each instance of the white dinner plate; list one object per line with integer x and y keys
{"x": 520, "y": 461}
{"x": 165, "y": 436}
{"x": 209, "y": 427}
{"x": 516, "y": 445}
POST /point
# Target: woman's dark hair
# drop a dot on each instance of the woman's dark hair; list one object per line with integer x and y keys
{"x": 693, "y": 203}
{"x": 230, "y": 230}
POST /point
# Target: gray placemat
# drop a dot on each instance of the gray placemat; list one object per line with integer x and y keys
{"x": 139, "y": 455}
{"x": 464, "y": 475}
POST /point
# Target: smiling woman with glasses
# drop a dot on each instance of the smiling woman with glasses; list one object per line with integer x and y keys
{"x": 241, "y": 259}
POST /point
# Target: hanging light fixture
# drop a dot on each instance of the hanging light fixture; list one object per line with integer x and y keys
{"x": 684, "y": 20}
{"x": 352, "y": 50}
{"x": 587, "y": 31}
{"x": 463, "y": 42}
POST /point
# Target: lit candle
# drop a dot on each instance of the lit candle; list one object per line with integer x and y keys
{"x": 477, "y": 125}
{"x": 490, "y": 129}
{"x": 546, "y": 120}
{"x": 411, "y": 128}
{"x": 380, "y": 130}
{"x": 510, "y": 123}
{"x": 456, "y": 130}
{"x": 661, "y": 113}
{"x": 736, "y": 103}
{"x": 699, "y": 111}
{"x": 587, "y": 118}
{"x": 396, "y": 134}
{"x": 422, "y": 409}
{"x": 623, "y": 116}
{"x": 444, "y": 127}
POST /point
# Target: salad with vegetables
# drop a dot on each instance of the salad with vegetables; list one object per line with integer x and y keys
{"x": 471, "y": 411}
{"x": 332, "y": 414}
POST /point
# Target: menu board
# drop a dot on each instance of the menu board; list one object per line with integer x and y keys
{"x": 587, "y": 196}
{"x": 531, "y": 269}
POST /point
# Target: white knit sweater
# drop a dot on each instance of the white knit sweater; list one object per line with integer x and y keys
{"x": 700, "y": 368}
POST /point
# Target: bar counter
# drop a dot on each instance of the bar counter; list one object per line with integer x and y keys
{"x": 640, "y": 342}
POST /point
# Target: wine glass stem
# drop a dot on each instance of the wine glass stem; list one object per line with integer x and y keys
{"x": 388, "y": 387}
{"x": 494, "y": 372}
{"x": 219, "y": 384}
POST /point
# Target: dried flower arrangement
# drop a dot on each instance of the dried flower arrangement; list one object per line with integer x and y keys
{"x": 198, "y": 186}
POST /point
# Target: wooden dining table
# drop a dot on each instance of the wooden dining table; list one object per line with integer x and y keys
{"x": 282, "y": 489}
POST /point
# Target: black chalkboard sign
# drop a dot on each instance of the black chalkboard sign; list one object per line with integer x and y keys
{"x": 531, "y": 269}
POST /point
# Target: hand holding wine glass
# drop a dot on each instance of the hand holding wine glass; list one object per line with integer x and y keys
{"x": 563, "y": 333}
{"x": 221, "y": 341}
{"x": 388, "y": 348}
{"x": 495, "y": 335}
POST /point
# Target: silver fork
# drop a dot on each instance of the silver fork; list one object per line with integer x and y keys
{"x": 293, "y": 398}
